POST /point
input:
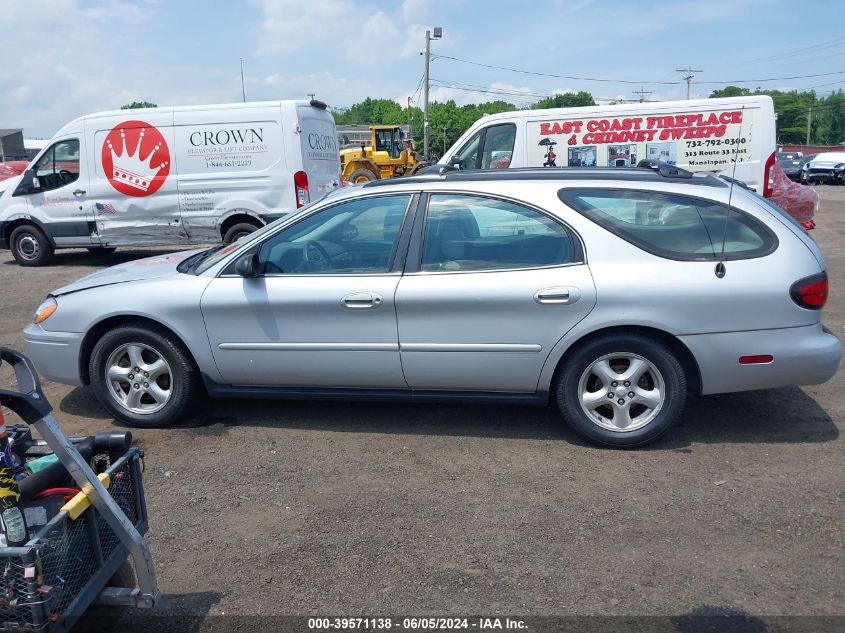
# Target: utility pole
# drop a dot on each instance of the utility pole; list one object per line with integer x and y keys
{"x": 410, "y": 120}
{"x": 642, "y": 93}
{"x": 809, "y": 121}
{"x": 444, "y": 141}
{"x": 438, "y": 33}
{"x": 243, "y": 90}
{"x": 690, "y": 73}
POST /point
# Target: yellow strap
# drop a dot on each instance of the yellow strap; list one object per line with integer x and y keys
{"x": 80, "y": 503}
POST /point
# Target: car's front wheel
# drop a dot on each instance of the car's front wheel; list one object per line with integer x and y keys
{"x": 143, "y": 376}
{"x": 621, "y": 390}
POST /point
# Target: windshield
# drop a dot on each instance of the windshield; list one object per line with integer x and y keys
{"x": 205, "y": 260}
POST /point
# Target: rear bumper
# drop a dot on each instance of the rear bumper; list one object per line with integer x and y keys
{"x": 54, "y": 354}
{"x": 802, "y": 356}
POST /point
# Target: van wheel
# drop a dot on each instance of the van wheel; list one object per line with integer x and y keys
{"x": 143, "y": 376}
{"x": 29, "y": 246}
{"x": 361, "y": 175}
{"x": 238, "y": 231}
{"x": 621, "y": 390}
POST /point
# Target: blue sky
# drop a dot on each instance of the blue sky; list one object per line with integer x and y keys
{"x": 65, "y": 58}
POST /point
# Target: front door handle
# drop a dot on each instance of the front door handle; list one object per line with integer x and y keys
{"x": 362, "y": 301}
{"x": 79, "y": 192}
{"x": 557, "y": 295}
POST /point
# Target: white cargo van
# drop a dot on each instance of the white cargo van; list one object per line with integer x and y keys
{"x": 697, "y": 135}
{"x": 163, "y": 176}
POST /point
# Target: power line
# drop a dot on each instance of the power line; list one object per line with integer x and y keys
{"x": 540, "y": 74}
{"x": 747, "y": 81}
{"x": 630, "y": 81}
{"x": 799, "y": 51}
{"x": 445, "y": 83}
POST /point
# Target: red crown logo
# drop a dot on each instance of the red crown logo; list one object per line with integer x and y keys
{"x": 136, "y": 159}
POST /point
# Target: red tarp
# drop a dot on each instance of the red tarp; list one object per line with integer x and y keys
{"x": 797, "y": 200}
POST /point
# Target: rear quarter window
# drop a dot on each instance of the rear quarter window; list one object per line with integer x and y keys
{"x": 674, "y": 226}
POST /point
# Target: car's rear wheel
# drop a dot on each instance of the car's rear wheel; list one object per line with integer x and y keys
{"x": 143, "y": 376}
{"x": 621, "y": 390}
{"x": 237, "y": 231}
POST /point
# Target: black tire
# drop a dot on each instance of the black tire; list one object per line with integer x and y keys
{"x": 361, "y": 175}
{"x": 183, "y": 377}
{"x": 238, "y": 231}
{"x": 101, "y": 250}
{"x": 29, "y": 246}
{"x": 568, "y": 383}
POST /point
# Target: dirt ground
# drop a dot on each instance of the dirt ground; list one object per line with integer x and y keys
{"x": 310, "y": 508}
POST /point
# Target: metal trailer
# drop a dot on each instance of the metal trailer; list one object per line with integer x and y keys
{"x": 66, "y": 566}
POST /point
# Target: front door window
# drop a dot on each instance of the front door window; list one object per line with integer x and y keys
{"x": 59, "y": 166}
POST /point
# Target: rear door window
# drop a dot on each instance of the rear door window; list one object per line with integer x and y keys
{"x": 467, "y": 232}
{"x": 674, "y": 226}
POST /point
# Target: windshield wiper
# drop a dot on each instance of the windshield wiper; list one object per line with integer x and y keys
{"x": 190, "y": 264}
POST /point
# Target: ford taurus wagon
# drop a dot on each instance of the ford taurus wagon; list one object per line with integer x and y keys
{"x": 611, "y": 294}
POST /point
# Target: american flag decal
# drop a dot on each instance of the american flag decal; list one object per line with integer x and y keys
{"x": 105, "y": 209}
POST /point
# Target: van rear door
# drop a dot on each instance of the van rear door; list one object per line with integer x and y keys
{"x": 320, "y": 158}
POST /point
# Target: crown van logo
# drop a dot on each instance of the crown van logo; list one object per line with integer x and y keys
{"x": 135, "y": 158}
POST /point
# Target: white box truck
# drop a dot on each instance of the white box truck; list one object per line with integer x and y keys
{"x": 165, "y": 176}
{"x": 697, "y": 135}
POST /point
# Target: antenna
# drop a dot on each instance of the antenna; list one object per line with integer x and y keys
{"x": 720, "y": 267}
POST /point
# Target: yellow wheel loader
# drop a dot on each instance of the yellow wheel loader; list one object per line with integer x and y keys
{"x": 389, "y": 154}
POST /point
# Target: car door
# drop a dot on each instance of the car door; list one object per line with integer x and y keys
{"x": 61, "y": 201}
{"x": 133, "y": 190}
{"x": 490, "y": 287}
{"x": 321, "y": 311}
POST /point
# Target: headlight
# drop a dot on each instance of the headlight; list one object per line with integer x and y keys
{"x": 45, "y": 310}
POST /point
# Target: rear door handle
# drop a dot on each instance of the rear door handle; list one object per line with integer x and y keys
{"x": 79, "y": 192}
{"x": 557, "y": 295}
{"x": 362, "y": 301}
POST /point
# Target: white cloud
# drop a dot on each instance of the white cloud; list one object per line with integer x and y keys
{"x": 379, "y": 28}
{"x": 414, "y": 41}
{"x": 288, "y": 25}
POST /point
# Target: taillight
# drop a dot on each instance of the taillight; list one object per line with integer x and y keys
{"x": 300, "y": 183}
{"x": 810, "y": 292}
{"x": 768, "y": 183}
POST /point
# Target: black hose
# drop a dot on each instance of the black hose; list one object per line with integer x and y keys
{"x": 115, "y": 443}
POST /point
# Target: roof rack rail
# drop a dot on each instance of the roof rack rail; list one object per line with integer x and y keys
{"x": 437, "y": 169}
{"x": 664, "y": 169}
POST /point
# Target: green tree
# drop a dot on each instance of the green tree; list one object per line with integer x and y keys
{"x": 730, "y": 91}
{"x": 138, "y": 104}
{"x": 566, "y": 100}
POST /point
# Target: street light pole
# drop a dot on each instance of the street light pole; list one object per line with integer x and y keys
{"x": 444, "y": 141}
{"x": 438, "y": 33}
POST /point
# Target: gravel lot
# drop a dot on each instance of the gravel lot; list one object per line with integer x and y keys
{"x": 308, "y": 508}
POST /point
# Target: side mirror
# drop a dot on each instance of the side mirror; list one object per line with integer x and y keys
{"x": 455, "y": 161}
{"x": 29, "y": 183}
{"x": 247, "y": 265}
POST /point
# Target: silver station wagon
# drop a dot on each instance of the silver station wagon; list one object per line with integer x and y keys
{"x": 610, "y": 293}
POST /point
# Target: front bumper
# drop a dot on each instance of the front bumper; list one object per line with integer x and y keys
{"x": 807, "y": 355}
{"x": 825, "y": 174}
{"x": 54, "y": 354}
